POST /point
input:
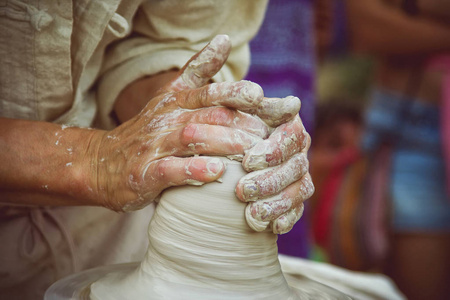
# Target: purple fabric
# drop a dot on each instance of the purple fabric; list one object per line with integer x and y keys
{"x": 283, "y": 63}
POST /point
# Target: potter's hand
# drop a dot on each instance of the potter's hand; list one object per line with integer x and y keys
{"x": 149, "y": 153}
{"x": 281, "y": 181}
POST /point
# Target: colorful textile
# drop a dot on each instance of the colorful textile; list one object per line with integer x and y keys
{"x": 350, "y": 219}
{"x": 418, "y": 188}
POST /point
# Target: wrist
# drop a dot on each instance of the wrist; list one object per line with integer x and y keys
{"x": 83, "y": 168}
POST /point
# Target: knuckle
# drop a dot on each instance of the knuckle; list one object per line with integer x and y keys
{"x": 282, "y": 225}
{"x": 261, "y": 210}
{"x": 188, "y": 134}
{"x": 306, "y": 140}
{"x": 160, "y": 170}
{"x": 204, "y": 96}
{"x": 299, "y": 162}
{"x": 309, "y": 187}
{"x": 136, "y": 177}
{"x": 252, "y": 92}
{"x": 221, "y": 115}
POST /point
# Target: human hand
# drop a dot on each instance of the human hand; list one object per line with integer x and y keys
{"x": 281, "y": 181}
{"x": 149, "y": 153}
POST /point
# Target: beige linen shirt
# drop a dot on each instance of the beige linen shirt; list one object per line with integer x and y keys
{"x": 66, "y": 62}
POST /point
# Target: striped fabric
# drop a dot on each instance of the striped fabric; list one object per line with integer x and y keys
{"x": 350, "y": 220}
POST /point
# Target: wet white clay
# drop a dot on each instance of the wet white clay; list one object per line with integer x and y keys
{"x": 202, "y": 248}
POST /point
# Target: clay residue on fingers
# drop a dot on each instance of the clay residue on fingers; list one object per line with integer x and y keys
{"x": 243, "y": 95}
{"x": 200, "y": 70}
{"x": 284, "y": 223}
{"x": 276, "y": 111}
{"x": 254, "y": 224}
{"x": 256, "y": 157}
{"x": 283, "y": 143}
{"x": 236, "y": 157}
{"x": 271, "y": 181}
{"x": 270, "y": 208}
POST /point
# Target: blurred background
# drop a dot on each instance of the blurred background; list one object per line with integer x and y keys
{"x": 374, "y": 80}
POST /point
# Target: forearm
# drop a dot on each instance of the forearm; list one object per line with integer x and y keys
{"x": 46, "y": 164}
{"x": 382, "y": 30}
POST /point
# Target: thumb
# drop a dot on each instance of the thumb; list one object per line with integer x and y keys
{"x": 199, "y": 70}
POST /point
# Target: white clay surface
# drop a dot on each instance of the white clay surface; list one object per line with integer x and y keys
{"x": 202, "y": 248}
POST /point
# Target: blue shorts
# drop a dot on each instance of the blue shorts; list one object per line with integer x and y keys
{"x": 418, "y": 189}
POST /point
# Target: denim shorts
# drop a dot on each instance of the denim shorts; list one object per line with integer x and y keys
{"x": 420, "y": 202}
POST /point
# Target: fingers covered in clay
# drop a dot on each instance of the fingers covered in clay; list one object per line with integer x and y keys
{"x": 186, "y": 117}
{"x": 242, "y": 95}
{"x": 277, "y": 190}
{"x": 206, "y": 139}
{"x": 228, "y": 117}
{"x": 245, "y": 96}
{"x": 278, "y": 209}
{"x": 150, "y": 179}
{"x": 277, "y": 111}
{"x": 190, "y": 116}
{"x": 286, "y": 222}
{"x": 271, "y": 181}
{"x": 199, "y": 70}
{"x": 286, "y": 140}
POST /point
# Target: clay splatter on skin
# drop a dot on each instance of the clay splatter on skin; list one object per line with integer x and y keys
{"x": 270, "y": 208}
{"x": 284, "y": 142}
{"x": 58, "y": 140}
{"x": 193, "y": 146}
{"x": 237, "y": 157}
{"x": 203, "y": 67}
{"x": 244, "y": 95}
{"x": 272, "y": 180}
{"x": 275, "y": 114}
{"x": 285, "y": 222}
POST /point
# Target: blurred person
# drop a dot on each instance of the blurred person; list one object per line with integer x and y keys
{"x": 337, "y": 132}
{"x": 98, "y": 116}
{"x": 405, "y": 112}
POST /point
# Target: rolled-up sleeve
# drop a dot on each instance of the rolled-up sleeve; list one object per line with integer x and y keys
{"x": 166, "y": 34}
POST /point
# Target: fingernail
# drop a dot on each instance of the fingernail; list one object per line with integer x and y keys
{"x": 256, "y": 157}
{"x": 219, "y": 39}
{"x": 285, "y": 223}
{"x": 254, "y": 224}
{"x": 270, "y": 208}
{"x": 252, "y": 92}
{"x": 292, "y": 104}
{"x": 215, "y": 166}
{"x": 251, "y": 190}
{"x": 261, "y": 211}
